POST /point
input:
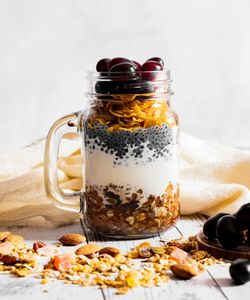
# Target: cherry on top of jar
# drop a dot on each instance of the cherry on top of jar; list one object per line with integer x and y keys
{"x": 121, "y": 75}
{"x": 130, "y": 67}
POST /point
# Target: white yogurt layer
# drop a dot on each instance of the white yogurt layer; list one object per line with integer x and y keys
{"x": 151, "y": 177}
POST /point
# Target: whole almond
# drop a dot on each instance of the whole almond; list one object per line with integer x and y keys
{"x": 110, "y": 250}
{"x": 88, "y": 249}
{"x": 6, "y": 248}
{"x": 16, "y": 240}
{"x": 4, "y": 235}
{"x": 72, "y": 239}
{"x": 184, "y": 271}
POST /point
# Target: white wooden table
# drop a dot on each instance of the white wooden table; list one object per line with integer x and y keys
{"x": 213, "y": 284}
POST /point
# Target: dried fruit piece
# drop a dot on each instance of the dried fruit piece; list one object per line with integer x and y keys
{"x": 37, "y": 245}
{"x": 64, "y": 262}
{"x": 16, "y": 240}
{"x": 6, "y": 248}
{"x": 72, "y": 239}
{"x": 47, "y": 250}
{"x": 110, "y": 250}
{"x": 185, "y": 245}
{"x": 178, "y": 255}
{"x": 88, "y": 249}
{"x": 145, "y": 252}
{"x": 9, "y": 259}
{"x": 4, "y": 235}
{"x": 184, "y": 271}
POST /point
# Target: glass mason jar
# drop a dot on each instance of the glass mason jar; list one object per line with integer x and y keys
{"x": 130, "y": 147}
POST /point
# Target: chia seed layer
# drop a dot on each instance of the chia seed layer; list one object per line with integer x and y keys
{"x": 144, "y": 145}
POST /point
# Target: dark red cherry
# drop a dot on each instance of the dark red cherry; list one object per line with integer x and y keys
{"x": 138, "y": 65}
{"x": 119, "y": 60}
{"x": 124, "y": 67}
{"x": 243, "y": 216}
{"x": 248, "y": 237}
{"x": 209, "y": 227}
{"x": 151, "y": 66}
{"x": 148, "y": 69}
{"x": 103, "y": 65}
{"x": 240, "y": 270}
{"x": 228, "y": 232}
{"x": 157, "y": 59}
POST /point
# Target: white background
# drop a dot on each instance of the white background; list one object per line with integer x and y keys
{"x": 47, "y": 46}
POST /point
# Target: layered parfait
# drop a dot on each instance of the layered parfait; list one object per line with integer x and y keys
{"x": 131, "y": 145}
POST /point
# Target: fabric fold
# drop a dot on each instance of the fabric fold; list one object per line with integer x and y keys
{"x": 214, "y": 178}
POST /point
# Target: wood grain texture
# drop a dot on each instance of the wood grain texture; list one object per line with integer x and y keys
{"x": 217, "y": 251}
{"x": 214, "y": 284}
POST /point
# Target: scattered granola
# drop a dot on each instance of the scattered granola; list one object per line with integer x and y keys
{"x": 16, "y": 240}
{"x": 6, "y": 248}
{"x": 145, "y": 265}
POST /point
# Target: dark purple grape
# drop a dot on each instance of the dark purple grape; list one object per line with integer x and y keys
{"x": 243, "y": 216}
{"x": 119, "y": 60}
{"x": 209, "y": 227}
{"x": 103, "y": 65}
{"x": 124, "y": 68}
{"x": 158, "y": 59}
{"x": 228, "y": 232}
{"x": 240, "y": 270}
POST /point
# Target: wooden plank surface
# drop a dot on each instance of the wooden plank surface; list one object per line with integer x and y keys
{"x": 213, "y": 284}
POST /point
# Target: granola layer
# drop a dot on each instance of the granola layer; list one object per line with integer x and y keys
{"x": 129, "y": 112}
{"x": 110, "y": 213}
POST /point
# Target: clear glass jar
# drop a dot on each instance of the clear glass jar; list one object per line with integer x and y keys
{"x": 130, "y": 146}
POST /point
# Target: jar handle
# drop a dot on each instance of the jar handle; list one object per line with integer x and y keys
{"x": 61, "y": 199}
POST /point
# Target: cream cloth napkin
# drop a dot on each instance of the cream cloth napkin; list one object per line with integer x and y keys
{"x": 214, "y": 178}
